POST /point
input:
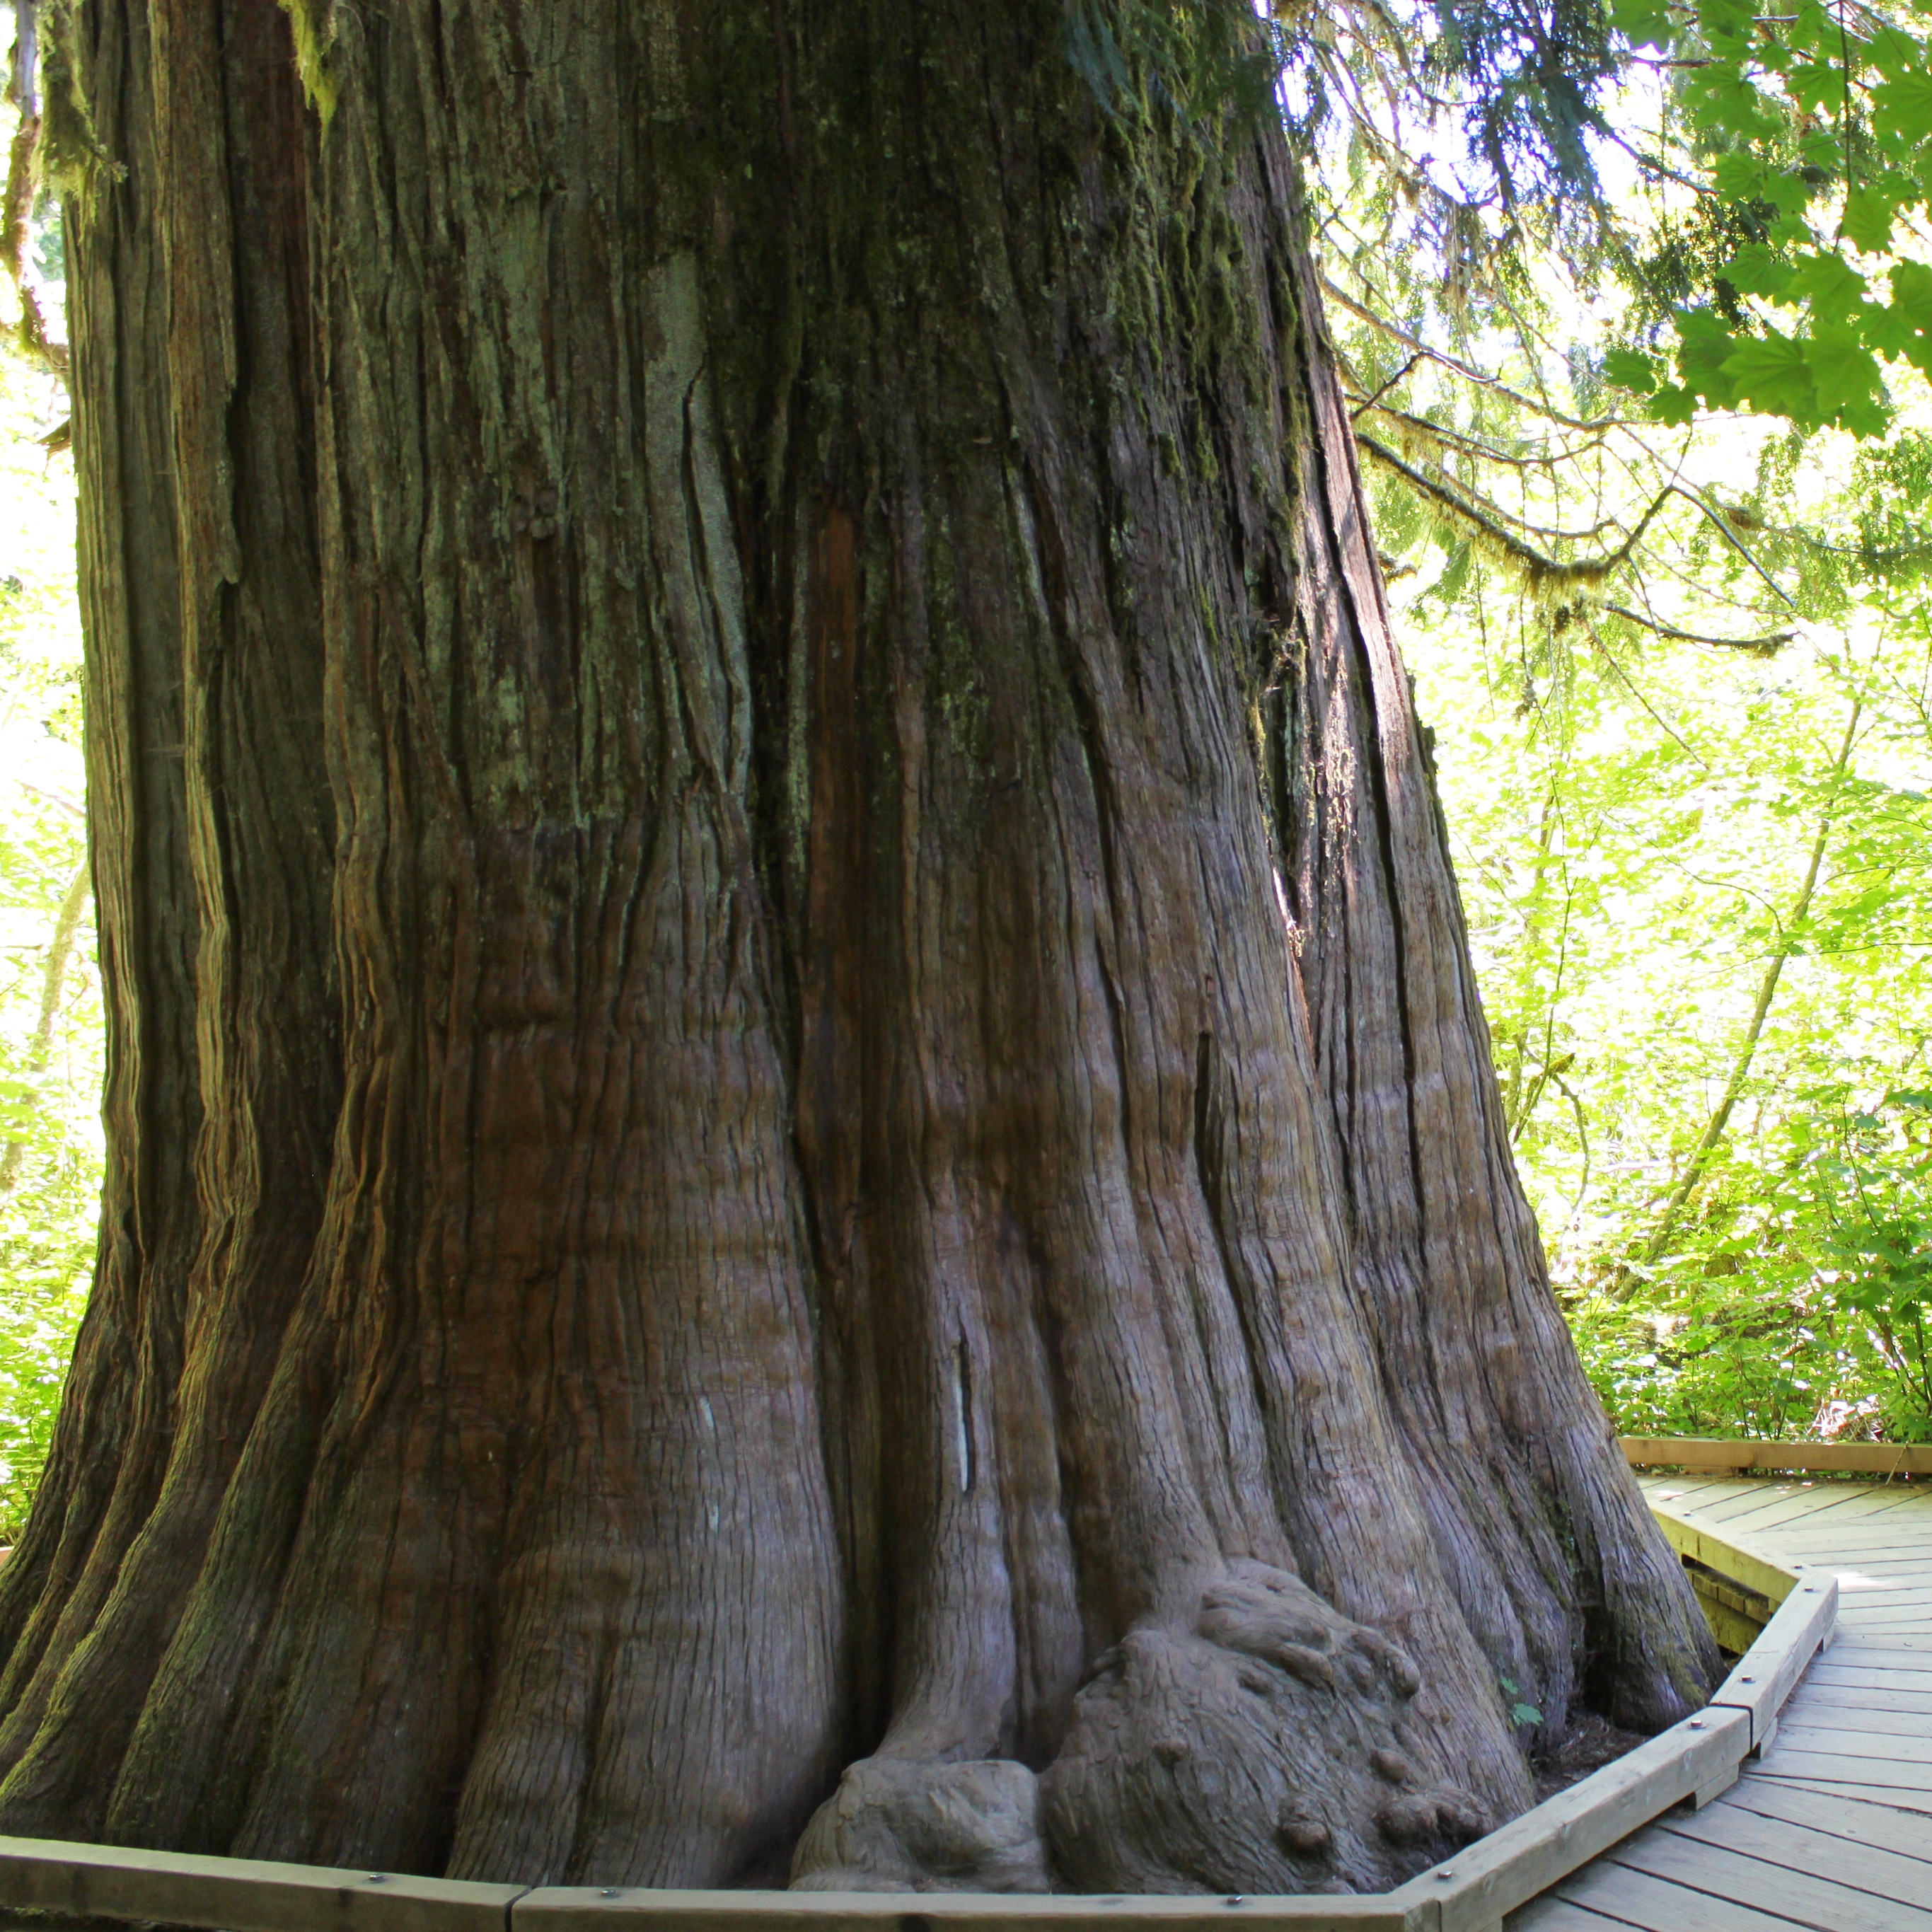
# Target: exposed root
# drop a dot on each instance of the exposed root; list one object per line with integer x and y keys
{"x": 897, "y": 1824}
{"x": 1262, "y": 1750}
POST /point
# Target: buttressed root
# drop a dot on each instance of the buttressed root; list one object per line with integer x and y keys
{"x": 1260, "y": 1747}
{"x": 901, "y": 1824}
{"x": 1262, "y": 1750}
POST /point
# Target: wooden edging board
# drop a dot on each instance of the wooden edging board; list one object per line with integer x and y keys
{"x": 1693, "y": 1760}
{"x": 1712, "y": 1452}
{"x": 1732, "y": 1556}
{"x": 240, "y": 1894}
{"x": 1468, "y": 1893}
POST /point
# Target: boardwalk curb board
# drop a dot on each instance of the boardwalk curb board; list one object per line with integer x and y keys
{"x": 1715, "y": 1452}
{"x": 240, "y": 1894}
{"x": 1697, "y": 1760}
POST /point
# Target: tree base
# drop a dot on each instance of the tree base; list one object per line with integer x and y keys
{"x": 1267, "y": 1746}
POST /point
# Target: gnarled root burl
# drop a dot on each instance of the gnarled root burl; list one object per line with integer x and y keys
{"x": 1269, "y": 1746}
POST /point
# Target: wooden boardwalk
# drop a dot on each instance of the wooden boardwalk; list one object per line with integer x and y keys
{"x": 1831, "y": 1829}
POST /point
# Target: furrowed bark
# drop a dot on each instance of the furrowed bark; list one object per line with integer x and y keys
{"x": 110, "y": 1443}
{"x": 850, "y": 1217}
{"x": 1538, "y": 1520}
{"x": 208, "y": 115}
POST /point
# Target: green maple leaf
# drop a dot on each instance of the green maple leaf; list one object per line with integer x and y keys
{"x": 1725, "y": 19}
{"x": 1902, "y": 109}
{"x": 1833, "y": 288}
{"x": 1911, "y": 291}
{"x": 1644, "y": 23}
{"x": 1704, "y": 346}
{"x": 1845, "y": 377}
{"x": 1673, "y": 404}
{"x": 1756, "y": 270}
{"x": 1895, "y": 54}
{"x": 1631, "y": 369}
{"x": 1904, "y": 328}
{"x": 1869, "y": 213}
{"x": 1890, "y": 330}
{"x": 1773, "y": 373}
{"x": 1815, "y": 85}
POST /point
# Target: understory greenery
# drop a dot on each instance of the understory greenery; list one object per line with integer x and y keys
{"x": 1666, "y": 610}
{"x": 1633, "y": 302}
{"x": 50, "y": 1015}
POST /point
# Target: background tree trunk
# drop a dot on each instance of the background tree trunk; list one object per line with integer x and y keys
{"x": 755, "y": 816}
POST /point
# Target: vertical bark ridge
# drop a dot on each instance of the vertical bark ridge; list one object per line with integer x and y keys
{"x": 227, "y": 127}
{"x": 110, "y": 1444}
{"x": 1538, "y": 1520}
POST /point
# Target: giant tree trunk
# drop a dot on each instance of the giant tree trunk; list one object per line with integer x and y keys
{"x": 795, "y": 1086}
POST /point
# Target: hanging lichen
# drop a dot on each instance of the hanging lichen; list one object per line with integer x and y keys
{"x": 313, "y": 23}
{"x": 72, "y": 162}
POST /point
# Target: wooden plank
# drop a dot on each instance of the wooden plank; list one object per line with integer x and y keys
{"x": 1899, "y": 1665}
{"x": 1760, "y": 1501}
{"x": 1485, "y": 1880}
{"x": 1885, "y": 1559}
{"x": 1837, "y": 1667}
{"x": 1875, "y": 1744}
{"x": 1636, "y": 1898}
{"x": 1912, "y": 1575}
{"x": 641, "y": 1908}
{"x": 1551, "y": 1914}
{"x": 1905, "y": 1528}
{"x": 1859, "y": 1773}
{"x": 1780, "y": 1510}
{"x": 1906, "y": 1710}
{"x": 1777, "y": 1889}
{"x": 1909, "y": 1798}
{"x": 1857, "y": 1505}
{"x": 1861, "y": 1820}
{"x": 1755, "y": 1567}
{"x": 1840, "y": 1547}
{"x": 1734, "y": 1632}
{"x": 1708, "y": 1452}
{"x": 1897, "y": 1875}
{"x": 1866, "y": 1506}
{"x": 1690, "y": 1495}
{"x": 240, "y": 1894}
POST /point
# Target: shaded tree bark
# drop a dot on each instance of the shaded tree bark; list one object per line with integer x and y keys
{"x": 805, "y": 1180}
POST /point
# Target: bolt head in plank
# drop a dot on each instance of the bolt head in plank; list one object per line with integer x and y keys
{"x": 240, "y": 1894}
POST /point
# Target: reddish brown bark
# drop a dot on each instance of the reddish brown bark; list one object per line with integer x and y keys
{"x": 847, "y": 1129}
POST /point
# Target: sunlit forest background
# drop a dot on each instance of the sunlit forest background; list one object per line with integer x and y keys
{"x": 1686, "y": 797}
